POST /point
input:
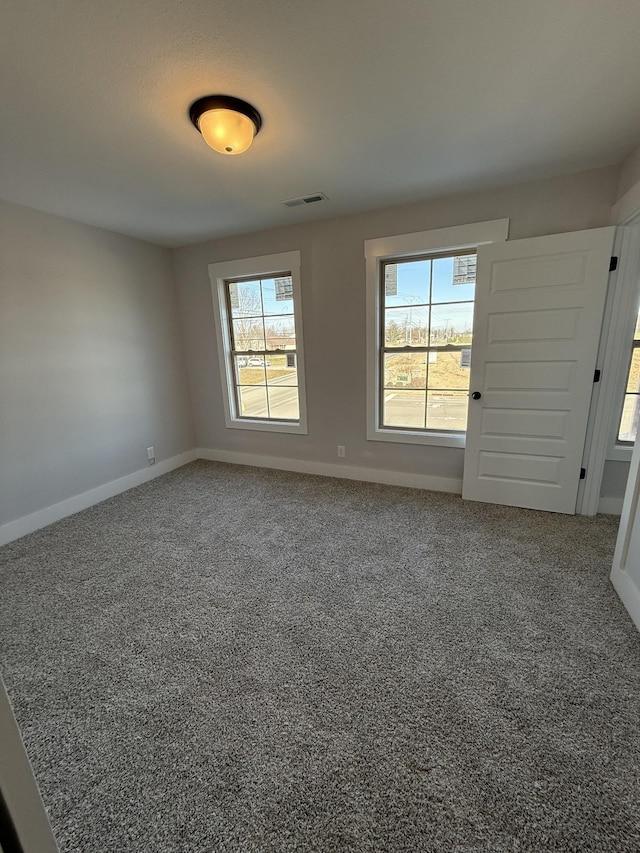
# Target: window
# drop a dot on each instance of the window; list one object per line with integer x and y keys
{"x": 425, "y": 341}
{"x": 257, "y": 310}
{"x": 628, "y": 426}
{"x": 420, "y": 298}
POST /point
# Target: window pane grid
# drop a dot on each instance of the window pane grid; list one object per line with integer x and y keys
{"x": 244, "y": 352}
{"x": 431, "y": 304}
{"x": 263, "y": 390}
{"x": 257, "y": 317}
{"x": 446, "y": 390}
{"x": 630, "y": 415}
{"x": 409, "y": 401}
{"x": 445, "y": 349}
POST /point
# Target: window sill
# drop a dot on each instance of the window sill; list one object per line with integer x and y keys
{"x": 619, "y": 453}
{"x": 441, "y": 439}
{"x": 268, "y": 426}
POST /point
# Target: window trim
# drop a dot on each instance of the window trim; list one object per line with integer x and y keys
{"x": 263, "y": 266}
{"x": 445, "y": 240}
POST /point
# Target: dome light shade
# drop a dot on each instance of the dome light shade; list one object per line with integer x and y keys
{"x": 226, "y": 131}
{"x": 227, "y": 124}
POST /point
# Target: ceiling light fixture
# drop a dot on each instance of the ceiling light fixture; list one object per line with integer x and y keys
{"x": 227, "y": 124}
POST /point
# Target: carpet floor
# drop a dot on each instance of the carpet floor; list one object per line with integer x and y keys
{"x": 237, "y": 659}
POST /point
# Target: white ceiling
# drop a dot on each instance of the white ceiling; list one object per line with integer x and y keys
{"x": 373, "y": 102}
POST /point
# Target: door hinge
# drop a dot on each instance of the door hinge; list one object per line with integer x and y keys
{"x": 613, "y": 264}
{"x": 583, "y": 473}
{"x": 596, "y": 375}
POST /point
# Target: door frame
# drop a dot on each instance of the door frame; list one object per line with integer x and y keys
{"x": 621, "y": 303}
{"x": 627, "y": 591}
{"x": 25, "y": 823}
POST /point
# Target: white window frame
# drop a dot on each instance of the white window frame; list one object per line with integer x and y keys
{"x": 262, "y": 266}
{"x": 406, "y": 246}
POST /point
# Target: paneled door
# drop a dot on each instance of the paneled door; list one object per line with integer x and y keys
{"x": 538, "y": 316}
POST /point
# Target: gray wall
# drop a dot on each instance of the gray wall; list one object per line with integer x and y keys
{"x": 333, "y": 294}
{"x": 92, "y": 369}
{"x": 629, "y": 173}
{"x": 614, "y": 479}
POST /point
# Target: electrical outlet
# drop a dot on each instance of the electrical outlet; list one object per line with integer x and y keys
{"x": 151, "y": 455}
{"x": 341, "y": 451}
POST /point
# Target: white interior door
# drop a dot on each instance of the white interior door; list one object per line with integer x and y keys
{"x": 538, "y": 315}
{"x": 625, "y": 574}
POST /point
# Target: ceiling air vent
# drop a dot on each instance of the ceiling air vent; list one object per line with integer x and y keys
{"x": 304, "y": 199}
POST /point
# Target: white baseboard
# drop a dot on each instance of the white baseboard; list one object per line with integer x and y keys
{"x": 35, "y": 520}
{"x": 629, "y": 594}
{"x": 329, "y": 469}
{"x": 610, "y": 506}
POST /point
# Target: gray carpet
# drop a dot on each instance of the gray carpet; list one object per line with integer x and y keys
{"x": 235, "y": 659}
